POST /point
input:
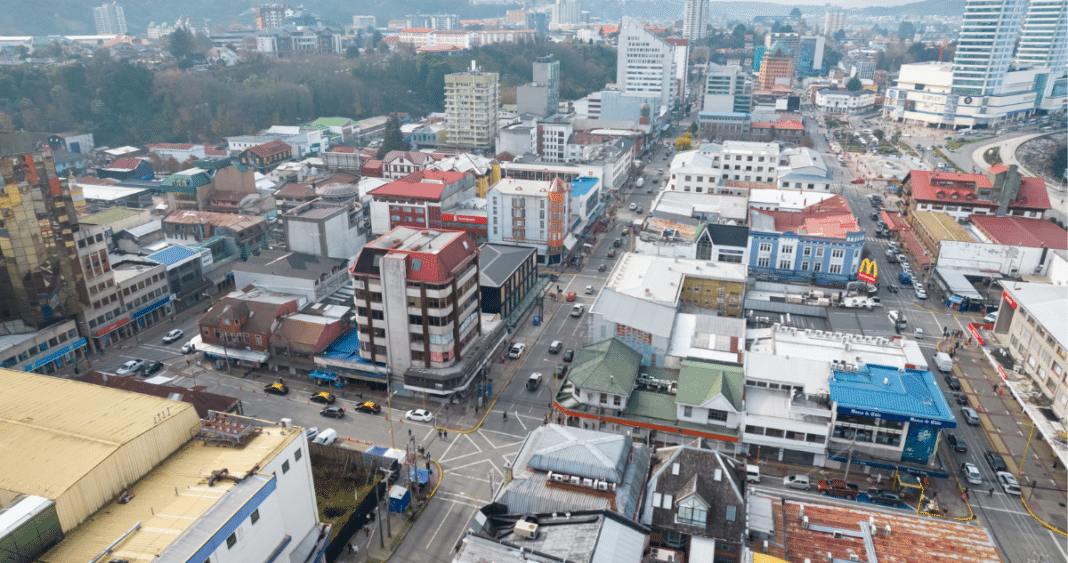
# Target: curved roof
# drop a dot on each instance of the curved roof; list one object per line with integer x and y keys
{"x": 338, "y": 190}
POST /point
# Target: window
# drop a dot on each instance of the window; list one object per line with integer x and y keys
{"x": 714, "y": 414}
{"x": 817, "y": 266}
{"x": 285, "y": 466}
{"x": 692, "y": 512}
{"x": 806, "y": 251}
{"x": 819, "y": 253}
{"x": 687, "y": 411}
{"x": 785, "y": 264}
{"x": 763, "y": 262}
{"x": 297, "y": 456}
{"x": 804, "y": 266}
{"x": 255, "y": 516}
{"x": 230, "y": 541}
{"x": 765, "y": 247}
{"x": 836, "y": 269}
{"x": 837, "y": 253}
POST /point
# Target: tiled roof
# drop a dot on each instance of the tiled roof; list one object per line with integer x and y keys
{"x": 828, "y": 218}
{"x": 425, "y": 184}
{"x": 230, "y": 220}
{"x": 710, "y": 475}
{"x": 1022, "y": 231}
{"x": 269, "y": 149}
{"x": 125, "y": 163}
{"x": 416, "y": 157}
{"x": 346, "y": 150}
{"x": 915, "y": 248}
{"x": 303, "y": 333}
{"x": 999, "y": 168}
{"x": 677, "y": 41}
{"x": 433, "y": 256}
{"x": 927, "y": 185}
{"x": 417, "y": 30}
{"x": 261, "y": 314}
{"x": 701, "y": 381}
{"x": 1032, "y": 194}
{"x": 173, "y": 255}
{"x": 296, "y": 191}
{"x": 609, "y": 366}
{"x": 505, "y": 157}
{"x": 214, "y": 152}
{"x": 440, "y": 49}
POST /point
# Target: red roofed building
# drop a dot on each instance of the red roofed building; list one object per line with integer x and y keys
{"x": 416, "y": 200}
{"x": 371, "y": 168}
{"x": 127, "y": 168}
{"x": 783, "y": 130}
{"x": 1021, "y": 231}
{"x": 417, "y": 303}
{"x": 265, "y": 155}
{"x": 963, "y": 195}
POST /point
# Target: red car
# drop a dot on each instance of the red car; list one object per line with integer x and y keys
{"x": 838, "y": 488}
{"x": 858, "y": 181}
{"x": 571, "y": 296}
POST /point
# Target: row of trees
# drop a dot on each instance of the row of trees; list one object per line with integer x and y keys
{"x": 124, "y": 103}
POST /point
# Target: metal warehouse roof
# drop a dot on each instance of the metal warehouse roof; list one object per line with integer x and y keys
{"x": 59, "y": 430}
{"x": 900, "y": 391}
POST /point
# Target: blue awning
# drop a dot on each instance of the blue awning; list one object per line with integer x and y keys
{"x": 57, "y": 354}
{"x": 151, "y": 307}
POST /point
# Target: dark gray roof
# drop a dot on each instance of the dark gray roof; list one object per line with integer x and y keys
{"x": 697, "y": 476}
{"x": 729, "y": 235}
{"x": 292, "y": 264}
{"x": 498, "y": 262}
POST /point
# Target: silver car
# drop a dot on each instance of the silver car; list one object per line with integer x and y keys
{"x": 971, "y": 473}
{"x": 796, "y": 482}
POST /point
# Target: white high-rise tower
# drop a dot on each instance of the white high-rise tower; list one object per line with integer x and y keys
{"x": 645, "y": 63}
{"x": 109, "y": 20}
{"x": 984, "y": 52}
{"x": 694, "y": 19}
{"x": 1044, "y": 35}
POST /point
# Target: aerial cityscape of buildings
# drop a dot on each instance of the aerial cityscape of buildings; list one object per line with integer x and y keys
{"x": 748, "y": 301}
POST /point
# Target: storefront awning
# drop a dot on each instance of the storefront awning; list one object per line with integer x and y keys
{"x": 570, "y": 241}
{"x": 215, "y": 351}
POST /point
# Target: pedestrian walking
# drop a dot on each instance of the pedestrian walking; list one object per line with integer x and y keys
{"x": 995, "y": 387}
{"x": 991, "y": 492}
{"x": 366, "y": 531}
{"x": 445, "y": 433}
{"x": 352, "y": 548}
{"x": 355, "y": 549}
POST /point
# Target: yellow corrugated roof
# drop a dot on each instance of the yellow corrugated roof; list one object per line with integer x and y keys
{"x": 59, "y": 430}
{"x": 167, "y": 501}
{"x": 942, "y": 226}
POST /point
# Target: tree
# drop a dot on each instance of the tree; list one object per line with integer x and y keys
{"x": 392, "y": 140}
{"x": 693, "y": 129}
{"x": 795, "y": 13}
{"x": 831, "y": 58}
{"x": 352, "y": 52}
{"x": 1058, "y": 162}
{"x": 683, "y": 144}
{"x": 879, "y": 134}
{"x": 376, "y": 39}
{"x": 180, "y": 43}
{"x": 854, "y": 84}
{"x": 906, "y": 31}
{"x": 839, "y": 35}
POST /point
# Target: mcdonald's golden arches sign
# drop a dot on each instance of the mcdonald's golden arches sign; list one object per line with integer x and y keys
{"x": 869, "y": 271}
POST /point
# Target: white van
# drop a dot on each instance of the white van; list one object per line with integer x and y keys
{"x": 944, "y": 362}
{"x": 326, "y": 437}
{"x": 534, "y": 381}
{"x": 752, "y": 473}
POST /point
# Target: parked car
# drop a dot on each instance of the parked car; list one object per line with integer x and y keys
{"x": 970, "y": 416}
{"x": 276, "y": 389}
{"x": 589, "y": 290}
{"x": 991, "y": 318}
{"x": 995, "y": 461}
{"x": 953, "y": 382}
{"x": 151, "y": 368}
{"x": 555, "y": 347}
{"x": 188, "y": 348}
{"x": 633, "y": 206}
{"x": 324, "y": 398}
{"x": 796, "y": 482}
{"x": 561, "y": 370}
{"x": 857, "y": 181}
{"x": 971, "y": 473}
{"x": 569, "y": 355}
{"x": 173, "y": 336}
{"x": 960, "y": 398}
{"x": 312, "y": 432}
{"x": 884, "y": 497}
{"x": 369, "y": 407}
{"x": 837, "y": 488}
{"x": 517, "y": 350}
{"x": 132, "y": 366}
{"x": 571, "y": 296}
{"x": 336, "y": 412}
{"x": 956, "y": 444}
{"x": 921, "y": 293}
{"x": 1008, "y": 483}
{"x": 419, "y": 415}
{"x": 904, "y": 278}
{"x": 617, "y": 243}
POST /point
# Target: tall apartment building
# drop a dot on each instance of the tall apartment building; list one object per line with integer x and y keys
{"x": 38, "y": 224}
{"x": 542, "y": 96}
{"x": 776, "y": 68}
{"x": 645, "y": 63}
{"x": 364, "y": 22}
{"x": 567, "y": 12}
{"x": 833, "y": 20}
{"x": 694, "y": 19}
{"x": 987, "y": 37}
{"x": 1044, "y": 35}
{"x": 417, "y": 298}
{"x": 728, "y": 89}
{"x": 270, "y": 16}
{"x": 532, "y": 213}
{"x": 109, "y": 19}
{"x": 471, "y": 100}
{"x": 443, "y": 22}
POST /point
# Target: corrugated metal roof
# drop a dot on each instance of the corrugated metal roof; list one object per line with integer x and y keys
{"x": 596, "y": 455}
{"x": 699, "y": 382}
{"x": 608, "y": 366}
{"x": 173, "y": 255}
{"x": 618, "y": 543}
{"x": 884, "y": 389}
{"x": 59, "y": 430}
{"x": 109, "y": 216}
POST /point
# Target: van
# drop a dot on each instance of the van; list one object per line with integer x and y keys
{"x": 752, "y": 473}
{"x": 897, "y": 319}
{"x": 943, "y": 362}
{"x": 534, "y": 381}
{"x": 326, "y": 437}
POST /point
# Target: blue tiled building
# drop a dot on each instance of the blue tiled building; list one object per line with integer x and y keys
{"x": 887, "y": 415}
{"x": 821, "y": 244}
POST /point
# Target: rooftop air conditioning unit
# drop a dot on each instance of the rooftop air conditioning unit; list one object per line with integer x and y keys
{"x": 559, "y": 478}
{"x": 602, "y": 485}
{"x": 525, "y": 529}
{"x": 576, "y": 480}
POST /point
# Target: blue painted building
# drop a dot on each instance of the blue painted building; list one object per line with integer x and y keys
{"x": 821, "y": 244}
{"x": 888, "y": 416}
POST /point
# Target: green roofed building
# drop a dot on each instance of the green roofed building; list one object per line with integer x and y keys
{"x": 609, "y": 389}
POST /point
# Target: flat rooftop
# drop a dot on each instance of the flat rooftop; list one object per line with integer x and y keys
{"x": 658, "y": 278}
{"x": 826, "y": 346}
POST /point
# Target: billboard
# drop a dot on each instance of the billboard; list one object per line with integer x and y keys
{"x": 869, "y": 271}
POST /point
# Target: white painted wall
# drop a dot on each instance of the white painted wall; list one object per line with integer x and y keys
{"x": 1007, "y": 260}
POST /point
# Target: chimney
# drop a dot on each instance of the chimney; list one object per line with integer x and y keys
{"x": 508, "y": 473}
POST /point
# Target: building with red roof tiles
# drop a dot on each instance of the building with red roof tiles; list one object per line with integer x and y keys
{"x": 963, "y": 195}
{"x": 417, "y": 199}
{"x": 127, "y": 168}
{"x": 1003, "y": 246}
{"x": 417, "y": 307}
{"x": 265, "y": 155}
{"x": 821, "y": 244}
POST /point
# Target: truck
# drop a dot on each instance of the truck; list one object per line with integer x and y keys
{"x": 856, "y": 303}
{"x": 944, "y": 362}
{"x": 837, "y": 488}
{"x": 897, "y": 319}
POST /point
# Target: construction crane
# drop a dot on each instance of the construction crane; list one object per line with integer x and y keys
{"x": 941, "y": 49}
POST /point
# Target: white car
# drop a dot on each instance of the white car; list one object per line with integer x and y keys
{"x": 419, "y": 415}
{"x": 187, "y": 348}
{"x": 920, "y": 293}
{"x": 173, "y": 336}
{"x": 132, "y": 366}
{"x": 577, "y": 310}
{"x": 517, "y": 350}
{"x": 1008, "y": 483}
{"x": 796, "y": 482}
{"x": 633, "y": 206}
{"x": 971, "y": 473}
{"x": 991, "y": 318}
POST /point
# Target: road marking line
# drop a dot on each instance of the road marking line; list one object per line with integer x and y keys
{"x": 440, "y": 524}
{"x": 468, "y": 437}
{"x": 465, "y": 466}
{"x": 494, "y": 465}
